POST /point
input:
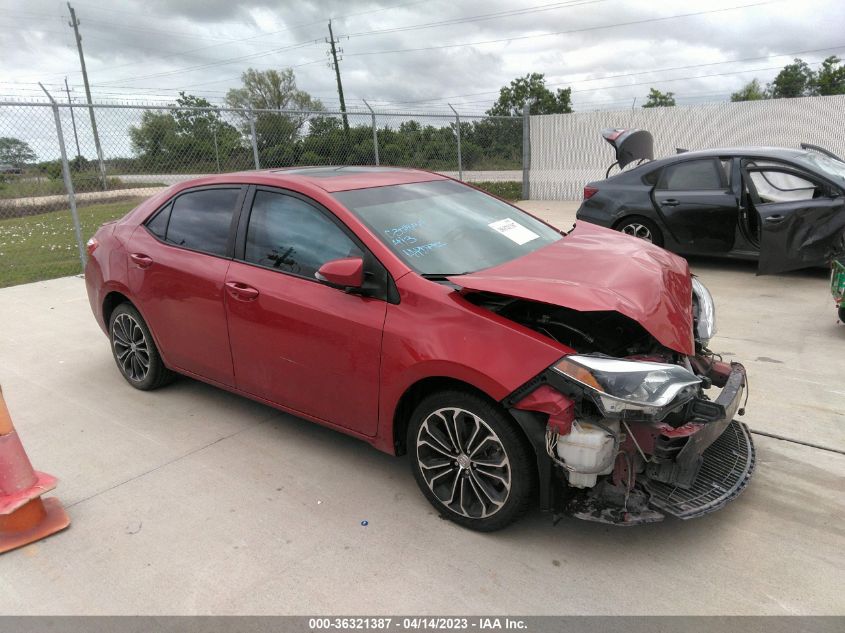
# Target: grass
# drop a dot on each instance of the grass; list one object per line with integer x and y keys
{"x": 43, "y": 246}
{"x": 508, "y": 190}
{"x": 35, "y": 187}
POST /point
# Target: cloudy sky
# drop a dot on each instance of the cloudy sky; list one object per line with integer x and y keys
{"x": 415, "y": 55}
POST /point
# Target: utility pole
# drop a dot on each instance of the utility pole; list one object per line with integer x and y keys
{"x": 333, "y": 64}
{"x": 72, "y": 120}
{"x": 74, "y": 23}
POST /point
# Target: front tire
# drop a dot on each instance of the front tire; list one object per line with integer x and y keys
{"x": 134, "y": 350}
{"x": 470, "y": 460}
{"x": 643, "y": 228}
{"x": 841, "y": 313}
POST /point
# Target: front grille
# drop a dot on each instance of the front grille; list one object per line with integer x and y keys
{"x": 725, "y": 471}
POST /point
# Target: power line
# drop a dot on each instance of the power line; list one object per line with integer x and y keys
{"x": 222, "y": 62}
{"x": 488, "y": 16}
{"x": 235, "y": 41}
{"x": 478, "y": 18}
{"x": 581, "y": 30}
{"x": 642, "y": 72}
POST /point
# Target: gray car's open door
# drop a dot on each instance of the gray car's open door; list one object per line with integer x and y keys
{"x": 802, "y": 220}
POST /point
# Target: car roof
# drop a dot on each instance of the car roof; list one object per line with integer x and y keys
{"x": 785, "y": 153}
{"x": 334, "y": 178}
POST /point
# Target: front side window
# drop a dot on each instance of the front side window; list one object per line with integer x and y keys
{"x": 199, "y": 220}
{"x": 773, "y": 185}
{"x": 290, "y": 235}
{"x": 694, "y": 175}
{"x": 446, "y": 228}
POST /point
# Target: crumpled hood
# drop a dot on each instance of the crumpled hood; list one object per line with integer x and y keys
{"x": 597, "y": 269}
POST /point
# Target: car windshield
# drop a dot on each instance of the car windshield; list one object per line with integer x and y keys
{"x": 446, "y": 228}
{"x": 824, "y": 164}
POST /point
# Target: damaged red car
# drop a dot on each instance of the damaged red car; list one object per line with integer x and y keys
{"x": 510, "y": 361}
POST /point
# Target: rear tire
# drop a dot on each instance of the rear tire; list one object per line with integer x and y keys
{"x": 643, "y": 228}
{"x": 135, "y": 351}
{"x": 470, "y": 460}
{"x": 841, "y": 313}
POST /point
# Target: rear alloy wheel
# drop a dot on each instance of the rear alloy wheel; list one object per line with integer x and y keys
{"x": 470, "y": 461}
{"x": 643, "y": 228}
{"x": 135, "y": 351}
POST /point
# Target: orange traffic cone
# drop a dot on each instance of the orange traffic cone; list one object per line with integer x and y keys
{"x": 24, "y": 516}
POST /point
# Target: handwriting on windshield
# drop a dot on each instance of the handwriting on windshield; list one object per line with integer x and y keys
{"x": 423, "y": 249}
{"x": 400, "y": 235}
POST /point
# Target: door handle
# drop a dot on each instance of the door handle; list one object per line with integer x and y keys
{"x": 241, "y": 292}
{"x": 774, "y": 219}
{"x": 670, "y": 202}
{"x": 141, "y": 260}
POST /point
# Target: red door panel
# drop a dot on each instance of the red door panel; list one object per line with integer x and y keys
{"x": 181, "y": 295}
{"x": 305, "y": 345}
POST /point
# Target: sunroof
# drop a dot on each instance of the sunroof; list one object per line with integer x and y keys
{"x": 333, "y": 172}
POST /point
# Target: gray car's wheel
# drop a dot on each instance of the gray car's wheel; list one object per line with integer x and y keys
{"x": 470, "y": 460}
{"x": 643, "y": 228}
{"x": 135, "y": 351}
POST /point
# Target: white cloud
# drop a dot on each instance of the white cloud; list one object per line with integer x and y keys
{"x": 140, "y": 49}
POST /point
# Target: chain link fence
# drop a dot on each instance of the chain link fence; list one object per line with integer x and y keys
{"x": 65, "y": 169}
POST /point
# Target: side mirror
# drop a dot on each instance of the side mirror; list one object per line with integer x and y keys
{"x": 344, "y": 273}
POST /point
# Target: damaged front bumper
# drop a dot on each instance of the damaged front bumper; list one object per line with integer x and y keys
{"x": 683, "y": 469}
{"x": 726, "y": 468}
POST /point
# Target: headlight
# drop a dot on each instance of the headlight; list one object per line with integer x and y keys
{"x": 620, "y": 385}
{"x": 704, "y": 312}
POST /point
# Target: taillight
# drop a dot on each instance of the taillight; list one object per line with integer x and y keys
{"x": 91, "y": 245}
{"x": 589, "y": 192}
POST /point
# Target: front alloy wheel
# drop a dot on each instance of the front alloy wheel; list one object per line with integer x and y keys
{"x": 469, "y": 460}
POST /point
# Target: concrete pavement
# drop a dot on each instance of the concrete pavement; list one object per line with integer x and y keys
{"x": 191, "y": 500}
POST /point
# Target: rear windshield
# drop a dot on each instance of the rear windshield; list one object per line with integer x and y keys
{"x": 446, "y": 228}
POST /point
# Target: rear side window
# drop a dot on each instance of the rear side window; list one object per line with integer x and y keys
{"x": 693, "y": 175}
{"x": 158, "y": 225}
{"x": 199, "y": 220}
{"x": 293, "y": 236}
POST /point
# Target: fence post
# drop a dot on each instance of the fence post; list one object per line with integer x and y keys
{"x": 254, "y": 140}
{"x": 526, "y": 151}
{"x": 458, "y": 129}
{"x": 375, "y": 130}
{"x": 216, "y": 151}
{"x": 71, "y": 196}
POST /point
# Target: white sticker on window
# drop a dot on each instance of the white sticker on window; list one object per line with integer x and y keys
{"x": 513, "y": 231}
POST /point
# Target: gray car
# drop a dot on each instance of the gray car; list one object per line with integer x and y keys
{"x": 783, "y": 207}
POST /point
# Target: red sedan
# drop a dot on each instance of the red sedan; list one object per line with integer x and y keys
{"x": 426, "y": 317}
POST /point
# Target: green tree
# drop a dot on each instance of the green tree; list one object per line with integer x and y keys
{"x": 193, "y": 138}
{"x": 15, "y": 152}
{"x": 752, "y": 91}
{"x": 657, "y": 99}
{"x": 795, "y": 80}
{"x": 531, "y": 88}
{"x": 276, "y": 132}
{"x": 830, "y": 78}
